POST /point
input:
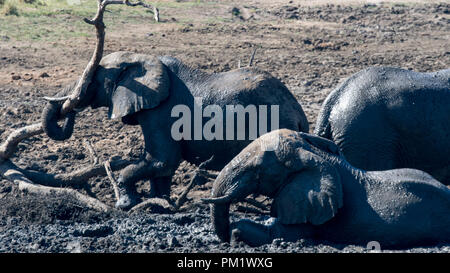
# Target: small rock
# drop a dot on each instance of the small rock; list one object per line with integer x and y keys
{"x": 44, "y": 75}
{"x": 96, "y": 231}
{"x": 173, "y": 242}
{"x": 16, "y": 77}
{"x": 277, "y": 242}
{"x": 51, "y": 157}
{"x": 27, "y": 77}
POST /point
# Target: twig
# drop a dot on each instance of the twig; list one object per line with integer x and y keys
{"x": 91, "y": 151}
{"x": 250, "y": 63}
{"x": 200, "y": 171}
{"x": 139, "y": 3}
{"x": 183, "y": 197}
{"x": 156, "y": 14}
{"x": 112, "y": 179}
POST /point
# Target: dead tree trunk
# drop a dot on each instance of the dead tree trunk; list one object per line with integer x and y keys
{"x": 47, "y": 183}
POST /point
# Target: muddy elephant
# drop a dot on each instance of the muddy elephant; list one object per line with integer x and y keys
{"x": 317, "y": 194}
{"x": 385, "y": 118}
{"x": 154, "y": 92}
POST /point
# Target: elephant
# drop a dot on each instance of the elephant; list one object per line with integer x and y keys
{"x": 145, "y": 90}
{"x": 385, "y": 118}
{"x": 318, "y": 195}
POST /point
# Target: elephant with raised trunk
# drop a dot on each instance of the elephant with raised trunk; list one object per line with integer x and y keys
{"x": 385, "y": 118}
{"x": 142, "y": 89}
{"x": 318, "y": 195}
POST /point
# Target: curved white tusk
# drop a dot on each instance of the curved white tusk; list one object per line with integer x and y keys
{"x": 53, "y": 99}
{"x": 218, "y": 200}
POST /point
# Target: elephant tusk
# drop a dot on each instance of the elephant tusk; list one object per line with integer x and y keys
{"x": 53, "y": 99}
{"x": 218, "y": 200}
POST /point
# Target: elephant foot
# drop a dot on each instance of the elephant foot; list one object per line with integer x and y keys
{"x": 251, "y": 233}
{"x": 160, "y": 187}
{"x": 126, "y": 202}
{"x": 128, "y": 197}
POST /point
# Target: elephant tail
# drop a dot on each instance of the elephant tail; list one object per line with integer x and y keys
{"x": 323, "y": 126}
{"x": 325, "y": 131}
{"x": 323, "y": 123}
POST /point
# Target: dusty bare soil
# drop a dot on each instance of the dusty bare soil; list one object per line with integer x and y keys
{"x": 311, "y": 48}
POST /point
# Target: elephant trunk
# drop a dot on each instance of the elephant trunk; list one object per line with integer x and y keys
{"x": 223, "y": 195}
{"x": 220, "y": 218}
{"x": 51, "y": 115}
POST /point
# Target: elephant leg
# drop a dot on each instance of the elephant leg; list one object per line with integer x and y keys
{"x": 147, "y": 168}
{"x": 160, "y": 187}
{"x": 255, "y": 234}
{"x": 251, "y": 233}
{"x": 161, "y": 159}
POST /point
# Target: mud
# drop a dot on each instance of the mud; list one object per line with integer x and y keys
{"x": 311, "y": 48}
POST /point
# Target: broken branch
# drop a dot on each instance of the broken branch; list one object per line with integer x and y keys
{"x": 112, "y": 179}
{"x": 13, "y": 174}
{"x": 250, "y": 63}
{"x": 8, "y": 147}
{"x": 72, "y": 179}
{"x": 80, "y": 89}
{"x": 91, "y": 151}
{"x": 200, "y": 171}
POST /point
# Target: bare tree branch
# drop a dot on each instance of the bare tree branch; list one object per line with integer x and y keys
{"x": 113, "y": 181}
{"x": 86, "y": 78}
{"x": 91, "y": 151}
{"x": 10, "y": 172}
{"x": 200, "y": 171}
{"x": 73, "y": 179}
{"x": 48, "y": 182}
{"x": 8, "y": 147}
{"x": 250, "y": 63}
{"x": 158, "y": 203}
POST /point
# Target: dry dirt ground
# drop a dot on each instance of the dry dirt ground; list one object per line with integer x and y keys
{"x": 310, "y": 47}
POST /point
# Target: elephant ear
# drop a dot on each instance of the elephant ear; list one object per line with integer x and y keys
{"x": 321, "y": 143}
{"x": 142, "y": 83}
{"x": 312, "y": 195}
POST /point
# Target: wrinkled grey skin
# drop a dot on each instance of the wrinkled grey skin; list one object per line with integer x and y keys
{"x": 319, "y": 195}
{"x": 246, "y": 86}
{"x": 385, "y": 118}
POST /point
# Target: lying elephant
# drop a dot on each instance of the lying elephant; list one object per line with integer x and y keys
{"x": 318, "y": 194}
{"x": 385, "y": 118}
{"x": 145, "y": 90}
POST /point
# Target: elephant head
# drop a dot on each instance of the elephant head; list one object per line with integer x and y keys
{"x": 125, "y": 82}
{"x": 288, "y": 166}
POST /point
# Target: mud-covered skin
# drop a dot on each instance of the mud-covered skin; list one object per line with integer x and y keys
{"x": 318, "y": 194}
{"x": 386, "y": 118}
{"x": 125, "y": 83}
